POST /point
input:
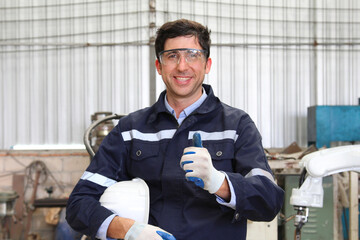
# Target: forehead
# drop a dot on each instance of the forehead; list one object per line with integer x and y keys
{"x": 182, "y": 42}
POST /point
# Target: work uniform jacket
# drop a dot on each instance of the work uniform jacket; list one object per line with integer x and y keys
{"x": 149, "y": 144}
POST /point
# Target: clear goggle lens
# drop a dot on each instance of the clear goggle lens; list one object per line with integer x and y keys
{"x": 173, "y": 56}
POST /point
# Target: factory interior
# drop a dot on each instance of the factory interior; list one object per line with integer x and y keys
{"x": 70, "y": 69}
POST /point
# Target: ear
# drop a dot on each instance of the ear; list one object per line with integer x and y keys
{"x": 158, "y": 66}
{"x": 208, "y": 65}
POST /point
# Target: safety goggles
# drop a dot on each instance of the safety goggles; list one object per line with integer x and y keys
{"x": 191, "y": 55}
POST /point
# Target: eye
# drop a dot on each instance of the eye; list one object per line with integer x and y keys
{"x": 171, "y": 55}
{"x": 193, "y": 55}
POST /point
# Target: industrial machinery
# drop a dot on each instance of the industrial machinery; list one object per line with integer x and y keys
{"x": 101, "y": 125}
{"x": 315, "y": 166}
{"x": 7, "y": 210}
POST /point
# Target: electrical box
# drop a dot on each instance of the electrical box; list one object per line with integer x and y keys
{"x": 328, "y": 124}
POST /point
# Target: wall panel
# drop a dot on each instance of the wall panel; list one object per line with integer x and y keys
{"x": 61, "y": 61}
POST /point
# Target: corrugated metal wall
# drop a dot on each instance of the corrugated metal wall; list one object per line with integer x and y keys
{"x": 61, "y": 61}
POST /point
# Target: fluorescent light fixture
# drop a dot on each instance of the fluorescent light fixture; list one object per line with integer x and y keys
{"x": 48, "y": 147}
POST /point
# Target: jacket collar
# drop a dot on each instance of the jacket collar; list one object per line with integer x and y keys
{"x": 208, "y": 105}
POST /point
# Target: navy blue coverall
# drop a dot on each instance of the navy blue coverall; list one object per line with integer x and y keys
{"x": 149, "y": 144}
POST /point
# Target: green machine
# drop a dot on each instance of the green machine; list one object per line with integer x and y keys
{"x": 312, "y": 192}
{"x": 320, "y": 225}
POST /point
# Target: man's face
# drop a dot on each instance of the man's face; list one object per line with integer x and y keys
{"x": 183, "y": 79}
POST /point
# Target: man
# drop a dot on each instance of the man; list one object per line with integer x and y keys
{"x": 206, "y": 191}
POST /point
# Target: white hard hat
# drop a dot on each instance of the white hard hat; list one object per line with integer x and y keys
{"x": 129, "y": 199}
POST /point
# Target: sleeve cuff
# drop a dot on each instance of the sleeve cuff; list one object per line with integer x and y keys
{"x": 101, "y": 233}
{"x": 232, "y": 202}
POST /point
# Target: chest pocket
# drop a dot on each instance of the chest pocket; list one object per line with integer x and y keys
{"x": 145, "y": 161}
{"x": 222, "y": 155}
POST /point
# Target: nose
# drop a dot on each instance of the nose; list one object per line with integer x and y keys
{"x": 182, "y": 64}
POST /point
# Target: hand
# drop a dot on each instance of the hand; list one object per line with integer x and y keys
{"x": 141, "y": 231}
{"x": 197, "y": 164}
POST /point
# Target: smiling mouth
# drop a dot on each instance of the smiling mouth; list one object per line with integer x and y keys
{"x": 182, "y": 79}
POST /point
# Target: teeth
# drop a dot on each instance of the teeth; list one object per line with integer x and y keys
{"x": 182, "y": 79}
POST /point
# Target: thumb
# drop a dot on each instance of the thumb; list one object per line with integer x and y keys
{"x": 197, "y": 140}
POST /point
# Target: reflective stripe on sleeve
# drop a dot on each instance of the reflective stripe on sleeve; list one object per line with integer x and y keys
{"x": 227, "y": 134}
{"x": 152, "y": 137}
{"x": 98, "y": 179}
{"x": 260, "y": 172}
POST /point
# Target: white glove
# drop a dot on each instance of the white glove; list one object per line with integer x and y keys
{"x": 142, "y": 231}
{"x": 197, "y": 164}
